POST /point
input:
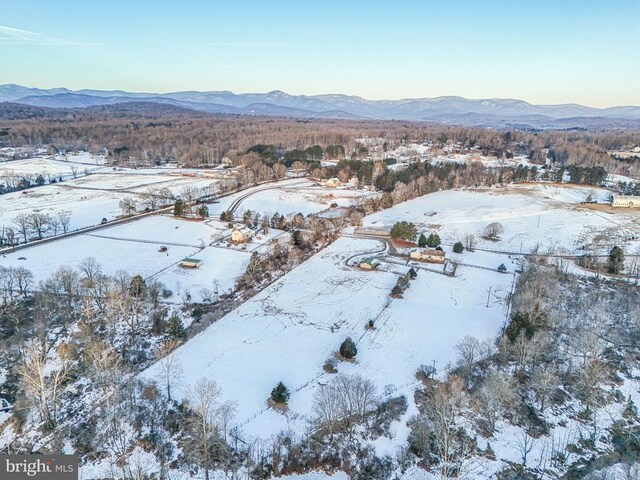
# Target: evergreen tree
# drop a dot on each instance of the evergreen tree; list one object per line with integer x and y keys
{"x": 275, "y": 220}
{"x": 630, "y": 412}
{"x": 298, "y": 239}
{"x": 178, "y": 208}
{"x": 348, "y": 348}
{"x": 203, "y": 211}
{"x": 422, "y": 241}
{"x": 404, "y": 231}
{"x": 458, "y": 247}
{"x": 226, "y": 217}
{"x": 433, "y": 240}
{"x": 137, "y": 286}
{"x": 175, "y": 328}
{"x": 247, "y": 218}
{"x": 616, "y": 260}
{"x": 280, "y": 393}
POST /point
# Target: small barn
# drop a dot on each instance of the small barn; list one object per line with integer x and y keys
{"x": 368, "y": 263}
{"x": 428, "y": 255}
{"x": 190, "y": 263}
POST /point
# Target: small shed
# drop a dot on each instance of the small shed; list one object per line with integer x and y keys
{"x": 368, "y": 263}
{"x": 428, "y": 255}
{"x": 190, "y": 263}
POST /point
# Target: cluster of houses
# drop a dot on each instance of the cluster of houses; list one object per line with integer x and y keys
{"x": 427, "y": 255}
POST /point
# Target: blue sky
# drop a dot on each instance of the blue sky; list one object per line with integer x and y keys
{"x": 541, "y": 51}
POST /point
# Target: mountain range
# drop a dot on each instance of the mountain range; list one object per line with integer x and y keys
{"x": 494, "y": 112}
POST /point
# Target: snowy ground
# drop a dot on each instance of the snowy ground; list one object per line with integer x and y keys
{"x": 546, "y": 216}
{"x": 113, "y": 255}
{"x": 89, "y": 198}
{"x": 47, "y": 167}
{"x": 87, "y": 207}
{"x": 289, "y": 330}
{"x": 314, "y": 307}
{"x": 134, "y": 248}
{"x": 297, "y": 196}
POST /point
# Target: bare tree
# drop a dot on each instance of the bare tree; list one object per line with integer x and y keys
{"x": 204, "y": 424}
{"x": 66, "y": 280}
{"x": 496, "y": 397}
{"x": 470, "y": 242}
{"x": 470, "y": 351}
{"x": 21, "y": 221}
{"x": 128, "y": 205}
{"x": 446, "y": 407}
{"x": 151, "y": 198}
{"x": 11, "y": 237}
{"x": 64, "y": 218}
{"x": 493, "y": 231}
{"x": 525, "y": 444}
{"x": 543, "y": 382}
{"x": 170, "y": 373}
{"x": 105, "y": 365}
{"x": 40, "y": 223}
{"x": 189, "y": 195}
{"x": 344, "y": 401}
{"x": 42, "y": 381}
{"x": 90, "y": 267}
{"x": 23, "y": 280}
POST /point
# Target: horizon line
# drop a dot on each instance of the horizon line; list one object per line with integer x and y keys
{"x": 169, "y": 92}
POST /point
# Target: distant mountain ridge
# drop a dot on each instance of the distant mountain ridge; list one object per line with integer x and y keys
{"x": 452, "y": 109}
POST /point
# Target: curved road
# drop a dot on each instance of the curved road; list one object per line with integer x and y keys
{"x": 236, "y": 203}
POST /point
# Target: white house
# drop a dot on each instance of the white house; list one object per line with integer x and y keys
{"x": 625, "y": 201}
{"x": 428, "y": 255}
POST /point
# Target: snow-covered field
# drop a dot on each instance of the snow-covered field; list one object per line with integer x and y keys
{"x": 134, "y": 248}
{"x": 298, "y": 196}
{"x": 86, "y": 207}
{"x": 47, "y": 167}
{"x": 544, "y": 216}
{"x": 288, "y": 331}
{"x": 113, "y": 255}
{"x": 89, "y": 198}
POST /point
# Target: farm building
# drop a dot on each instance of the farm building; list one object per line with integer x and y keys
{"x": 333, "y": 183}
{"x": 429, "y": 255}
{"x": 374, "y": 232}
{"x": 239, "y": 236}
{"x": 190, "y": 263}
{"x": 625, "y": 201}
{"x": 368, "y": 263}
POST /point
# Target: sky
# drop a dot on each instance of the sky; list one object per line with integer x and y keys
{"x": 543, "y": 51}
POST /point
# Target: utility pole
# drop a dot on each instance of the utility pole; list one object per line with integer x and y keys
{"x": 488, "y": 297}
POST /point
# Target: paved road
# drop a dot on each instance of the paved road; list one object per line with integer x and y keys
{"x": 238, "y": 201}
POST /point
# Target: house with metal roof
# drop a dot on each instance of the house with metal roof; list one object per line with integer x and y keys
{"x": 190, "y": 263}
{"x": 368, "y": 263}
